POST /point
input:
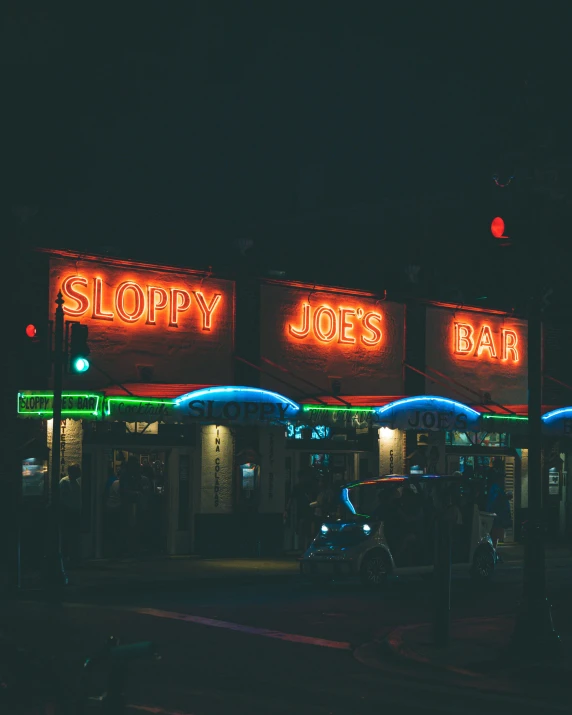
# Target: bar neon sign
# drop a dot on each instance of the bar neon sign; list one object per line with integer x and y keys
{"x": 480, "y": 342}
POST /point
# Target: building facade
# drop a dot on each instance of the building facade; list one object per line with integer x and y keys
{"x": 211, "y": 401}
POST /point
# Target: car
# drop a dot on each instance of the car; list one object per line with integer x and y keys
{"x": 360, "y": 542}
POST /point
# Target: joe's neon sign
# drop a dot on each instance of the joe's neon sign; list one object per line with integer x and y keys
{"x": 130, "y": 302}
{"x": 348, "y": 326}
{"x": 480, "y": 342}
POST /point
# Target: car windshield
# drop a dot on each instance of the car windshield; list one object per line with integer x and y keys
{"x": 364, "y": 499}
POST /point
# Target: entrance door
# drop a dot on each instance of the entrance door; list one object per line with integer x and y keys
{"x": 135, "y": 503}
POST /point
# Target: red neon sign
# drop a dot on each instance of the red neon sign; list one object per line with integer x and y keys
{"x": 481, "y": 343}
{"x": 130, "y": 301}
{"x": 346, "y": 326}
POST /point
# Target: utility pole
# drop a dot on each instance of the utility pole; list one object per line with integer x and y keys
{"x": 534, "y": 632}
{"x": 55, "y": 575}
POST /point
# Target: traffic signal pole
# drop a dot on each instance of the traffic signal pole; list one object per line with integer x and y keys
{"x": 534, "y": 634}
{"x": 55, "y": 575}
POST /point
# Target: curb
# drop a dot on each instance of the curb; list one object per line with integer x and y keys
{"x": 395, "y": 643}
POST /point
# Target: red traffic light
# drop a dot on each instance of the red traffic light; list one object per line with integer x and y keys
{"x": 31, "y": 331}
{"x": 497, "y": 228}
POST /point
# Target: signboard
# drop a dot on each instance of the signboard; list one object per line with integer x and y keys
{"x": 236, "y": 405}
{"x": 485, "y": 352}
{"x": 324, "y": 335}
{"x": 430, "y": 413}
{"x": 138, "y": 409}
{"x": 148, "y": 319}
{"x": 75, "y": 405}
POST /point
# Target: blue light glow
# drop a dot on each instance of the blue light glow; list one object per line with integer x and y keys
{"x": 346, "y": 500}
{"x": 429, "y": 400}
{"x": 366, "y": 529}
{"x": 557, "y": 413}
{"x": 324, "y": 529}
{"x": 253, "y": 394}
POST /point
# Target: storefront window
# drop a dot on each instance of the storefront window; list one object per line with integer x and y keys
{"x": 302, "y": 431}
{"x": 34, "y": 477}
{"x": 477, "y": 439}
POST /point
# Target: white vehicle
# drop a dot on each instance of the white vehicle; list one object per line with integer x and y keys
{"x": 386, "y": 526}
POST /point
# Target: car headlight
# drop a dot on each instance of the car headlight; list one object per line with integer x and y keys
{"x": 366, "y": 529}
{"x": 324, "y": 529}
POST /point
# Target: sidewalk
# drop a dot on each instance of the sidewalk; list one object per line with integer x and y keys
{"x": 478, "y": 658}
{"x": 123, "y": 576}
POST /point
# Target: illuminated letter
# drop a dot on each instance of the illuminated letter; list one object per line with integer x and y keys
{"x": 375, "y": 330}
{"x": 69, "y": 292}
{"x": 138, "y": 304}
{"x": 325, "y": 337}
{"x": 463, "y": 338}
{"x": 346, "y": 325}
{"x": 156, "y": 300}
{"x": 180, "y": 301}
{"x": 98, "y": 312}
{"x": 486, "y": 342}
{"x": 305, "y": 329}
{"x": 509, "y": 343}
{"x": 207, "y": 310}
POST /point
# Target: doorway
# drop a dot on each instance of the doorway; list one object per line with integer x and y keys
{"x": 134, "y": 499}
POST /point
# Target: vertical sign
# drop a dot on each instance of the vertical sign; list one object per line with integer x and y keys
{"x": 217, "y": 469}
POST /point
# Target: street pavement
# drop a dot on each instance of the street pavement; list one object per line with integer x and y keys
{"x": 284, "y": 646}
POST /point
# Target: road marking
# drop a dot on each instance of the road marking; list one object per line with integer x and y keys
{"x": 155, "y": 711}
{"x": 252, "y": 630}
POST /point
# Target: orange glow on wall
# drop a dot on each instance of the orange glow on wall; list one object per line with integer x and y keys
{"x": 348, "y": 325}
{"x": 137, "y": 303}
{"x": 207, "y": 308}
{"x": 509, "y": 344}
{"x": 180, "y": 301}
{"x": 484, "y": 346}
{"x": 157, "y": 299}
{"x": 486, "y": 342}
{"x": 132, "y": 300}
{"x": 464, "y": 343}
{"x": 69, "y": 291}
{"x": 98, "y": 312}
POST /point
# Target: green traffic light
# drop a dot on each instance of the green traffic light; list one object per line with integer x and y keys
{"x": 80, "y": 364}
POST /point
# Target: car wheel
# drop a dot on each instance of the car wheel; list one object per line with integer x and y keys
{"x": 483, "y": 564}
{"x": 375, "y": 569}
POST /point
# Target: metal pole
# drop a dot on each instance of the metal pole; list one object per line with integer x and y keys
{"x": 534, "y": 632}
{"x": 54, "y": 571}
{"x": 442, "y": 622}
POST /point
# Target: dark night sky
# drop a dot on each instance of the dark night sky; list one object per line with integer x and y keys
{"x": 344, "y": 139}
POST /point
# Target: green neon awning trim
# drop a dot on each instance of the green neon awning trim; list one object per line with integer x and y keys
{"x": 504, "y": 417}
{"x": 150, "y": 401}
{"x": 327, "y": 408}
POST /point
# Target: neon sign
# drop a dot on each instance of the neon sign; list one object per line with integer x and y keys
{"x": 480, "y": 342}
{"x": 130, "y": 301}
{"x": 427, "y": 412}
{"x": 79, "y": 405}
{"x": 236, "y": 404}
{"x": 344, "y": 325}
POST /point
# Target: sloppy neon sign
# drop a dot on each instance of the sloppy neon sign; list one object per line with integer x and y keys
{"x": 480, "y": 342}
{"x": 347, "y": 326}
{"x": 129, "y": 302}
